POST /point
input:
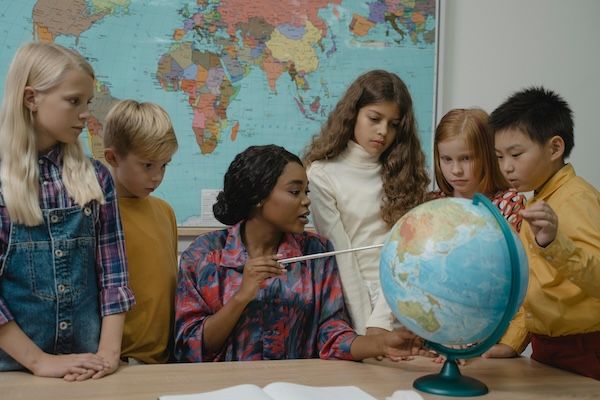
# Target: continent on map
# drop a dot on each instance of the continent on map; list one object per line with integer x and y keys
{"x": 431, "y": 228}
{"x": 415, "y": 311}
{"x": 103, "y": 101}
{"x": 405, "y": 17}
{"x": 52, "y": 18}
{"x": 202, "y": 77}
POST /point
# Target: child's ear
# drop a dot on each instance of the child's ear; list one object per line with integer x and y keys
{"x": 29, "y": 99}
{"x": 557, "y": 148}
{"x": 111, "y": 157}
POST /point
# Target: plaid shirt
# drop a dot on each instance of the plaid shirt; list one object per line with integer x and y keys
{"x": 298, "y": 315}
{"x": 111, "y": 262}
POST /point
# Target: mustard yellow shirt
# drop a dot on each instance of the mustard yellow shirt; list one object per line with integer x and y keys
{"x": 563, "y": 297}
{"x": 150, "y": 230}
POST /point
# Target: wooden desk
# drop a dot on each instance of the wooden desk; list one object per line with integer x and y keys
{"x": 512, "y": 379}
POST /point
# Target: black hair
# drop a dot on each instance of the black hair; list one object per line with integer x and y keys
{"x": 537, "y": 112}
{"x": 250, "y": 178}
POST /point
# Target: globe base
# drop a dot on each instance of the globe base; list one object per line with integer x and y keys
{"x": 450, "y": 382}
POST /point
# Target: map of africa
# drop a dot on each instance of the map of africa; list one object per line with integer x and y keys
{"x": 231, "y": 73}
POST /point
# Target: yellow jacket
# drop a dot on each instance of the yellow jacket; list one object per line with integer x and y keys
{"x": 563, "y": 297}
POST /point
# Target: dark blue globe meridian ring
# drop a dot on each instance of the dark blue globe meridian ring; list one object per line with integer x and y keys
{"x": 513, "y": 298}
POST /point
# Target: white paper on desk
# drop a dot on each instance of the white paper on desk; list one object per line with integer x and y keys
{"x": 293, "y": 391}
{"x": 241, "y": 392}
{"x": 278, "y": 391}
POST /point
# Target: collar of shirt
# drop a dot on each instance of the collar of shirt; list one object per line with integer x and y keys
{"x": 234, "y": 253}
{"x": 555, "y": 182}
{"x": 54, "y": 155}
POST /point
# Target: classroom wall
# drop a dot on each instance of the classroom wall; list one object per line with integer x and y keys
{"x": 491, "y": 48}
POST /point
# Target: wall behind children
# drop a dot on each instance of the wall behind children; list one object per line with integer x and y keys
{"x": 231, "y": 74}
{"x": 491, "y": 48}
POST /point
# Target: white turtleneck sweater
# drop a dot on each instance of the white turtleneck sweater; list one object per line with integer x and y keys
{"x": 346, "y": 195}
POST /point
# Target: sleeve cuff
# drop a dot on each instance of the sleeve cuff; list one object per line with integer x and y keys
{"x": 517, "y": 339}
{"x": 116, "y": 300}
{"x": 5, "y": 314}
{"x": 558, "y": 251}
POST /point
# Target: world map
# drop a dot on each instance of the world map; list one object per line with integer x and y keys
{"x": 231, "y": 73}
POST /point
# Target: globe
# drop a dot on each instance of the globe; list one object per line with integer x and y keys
{"x": 454, "y": 272}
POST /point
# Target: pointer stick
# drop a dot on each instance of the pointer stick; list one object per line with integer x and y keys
{"x": 327, "y": 254}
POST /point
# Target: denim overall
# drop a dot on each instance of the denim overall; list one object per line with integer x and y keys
{"x": 49, "y": 282}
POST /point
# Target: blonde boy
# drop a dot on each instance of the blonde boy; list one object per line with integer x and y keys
{"x": 561, "y": 312}
{"x": 139, "y": 141}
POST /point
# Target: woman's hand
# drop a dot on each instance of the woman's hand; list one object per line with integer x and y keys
{"x": 256, "y": 271}
{"x": 402, "y": 344}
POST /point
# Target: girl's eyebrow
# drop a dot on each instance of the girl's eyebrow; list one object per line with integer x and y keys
{"x": 296, "y": 182}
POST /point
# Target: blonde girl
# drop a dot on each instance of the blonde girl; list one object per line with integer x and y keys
{"x": 63, "y": 271}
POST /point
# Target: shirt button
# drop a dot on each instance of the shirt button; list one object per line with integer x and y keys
{"x": 87, "y": 211}
{"x": 58, "y": 253}
{"x": 61, "y": 288}
{"x": 63, "y": 325}
{"x": 46, "y": 183}
{"x": 54, "y": 219}
{"x": 40, "y": 161}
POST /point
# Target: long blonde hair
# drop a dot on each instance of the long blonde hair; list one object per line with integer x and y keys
{"x": 403, "y": 172}
{"x": 42, "y": 66}
{"x": 472, "y": 125}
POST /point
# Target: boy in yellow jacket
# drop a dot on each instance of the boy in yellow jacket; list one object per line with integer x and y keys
{"x": 561, "y": 314}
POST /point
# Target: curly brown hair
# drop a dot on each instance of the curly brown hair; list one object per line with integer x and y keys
{"x": 405, "y": 178}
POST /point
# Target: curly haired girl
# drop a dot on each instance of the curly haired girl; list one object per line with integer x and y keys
{"x": 369, "y": 142}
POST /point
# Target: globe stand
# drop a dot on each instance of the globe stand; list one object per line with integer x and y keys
{"x": 450, "y": 382}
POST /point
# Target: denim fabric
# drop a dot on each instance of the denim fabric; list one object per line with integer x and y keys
{"x": 48, "y": 281}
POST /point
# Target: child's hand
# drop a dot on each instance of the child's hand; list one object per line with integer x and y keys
{"x": 543, "y": 222}
{"x": 112, "y": 358}
{"x": 500, "y": 351}
{"x": 256, "y": 271}
{"x": 111, "y": 364}
{"x": 402, "y": 344}
{"x": 61, "y": 366}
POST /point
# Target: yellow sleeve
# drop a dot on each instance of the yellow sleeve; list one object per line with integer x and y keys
{"x": 575, "y": 252}
{"x": 516, "y": 336}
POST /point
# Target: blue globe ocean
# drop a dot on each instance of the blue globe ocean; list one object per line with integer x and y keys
{"x": 446, "y": 271}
